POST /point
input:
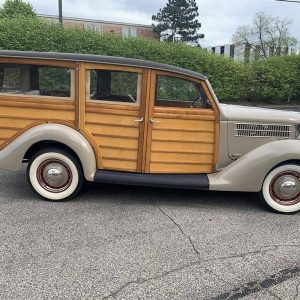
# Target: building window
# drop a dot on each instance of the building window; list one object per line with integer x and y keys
{"x": 213, "y": 49}
{"x": 97, "y": 28}
{"x": 222, "y": 50}
{"x": 129, "y": 31}
{"x": 133, "y": 31}
{"x": 247, "y": 53}
{"x": 94, "y": 27}
{"x": 232, "y": 50}
{"x": 257, "y": 53}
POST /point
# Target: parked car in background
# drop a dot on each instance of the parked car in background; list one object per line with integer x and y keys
{"x": 116, "y": 120}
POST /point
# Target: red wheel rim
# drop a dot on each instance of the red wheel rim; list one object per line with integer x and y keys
{"x": 54, "y": 175}
{"x": 285, "y": 188}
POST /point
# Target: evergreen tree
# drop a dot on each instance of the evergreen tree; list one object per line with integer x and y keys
{"x": 177, "y": 21}
{"x": 15, "y": 8}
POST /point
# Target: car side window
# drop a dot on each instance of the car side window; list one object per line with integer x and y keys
{"x": 35, "y": 80}
{"x": 177, "y": 92}
{"x": 115, "y": 86}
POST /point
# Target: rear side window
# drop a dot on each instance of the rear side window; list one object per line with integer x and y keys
{"x": 115, "y": 86}
{"x": 36, "y": 80}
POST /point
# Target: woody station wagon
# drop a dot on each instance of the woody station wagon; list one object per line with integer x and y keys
{"x": 116, "y": 120}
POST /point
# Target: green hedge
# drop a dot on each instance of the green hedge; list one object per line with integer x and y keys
{"x": 274, "y": 80}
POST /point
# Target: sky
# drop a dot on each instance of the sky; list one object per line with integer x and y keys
{"x": 219, "y": 18}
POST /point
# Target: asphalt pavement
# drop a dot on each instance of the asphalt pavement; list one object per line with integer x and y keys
{"x": 120, "y": 242}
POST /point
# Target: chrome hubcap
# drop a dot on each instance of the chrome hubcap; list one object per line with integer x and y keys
{"x": 54, "y": 176}
{"x": 285, "y": 188}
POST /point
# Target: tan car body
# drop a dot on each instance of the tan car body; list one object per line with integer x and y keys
{"x": 238, "y": 163}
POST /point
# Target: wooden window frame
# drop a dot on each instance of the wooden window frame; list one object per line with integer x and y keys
{"x": 91, "y": 67}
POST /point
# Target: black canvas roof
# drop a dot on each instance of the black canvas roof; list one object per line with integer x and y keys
{"x": 100, "y": 59}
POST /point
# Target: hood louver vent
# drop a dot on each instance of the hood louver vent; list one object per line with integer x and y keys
{"x": 263, "y": 130}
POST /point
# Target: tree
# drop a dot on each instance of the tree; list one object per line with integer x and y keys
{"x": 177, "y": 21}
{"x": 15, "y": 8}
{"x": 267, "y": 35}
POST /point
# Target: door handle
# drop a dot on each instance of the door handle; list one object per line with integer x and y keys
{"x": 154, "y": 121}
{"x": 141, "y": 119}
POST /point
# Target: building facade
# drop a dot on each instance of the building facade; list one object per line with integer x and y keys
{"x": 245, "y": 53}
{"x": 122, "y": 29}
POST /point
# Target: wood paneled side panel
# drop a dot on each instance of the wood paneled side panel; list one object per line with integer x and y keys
{"x": 16, "y": 114}
{"x": 116, "y": 134}
{"x": 182, "y": 142}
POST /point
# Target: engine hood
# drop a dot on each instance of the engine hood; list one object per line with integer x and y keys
{"x": 255, "y": 114}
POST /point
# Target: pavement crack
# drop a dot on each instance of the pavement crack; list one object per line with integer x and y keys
{"x": 120, "y": 289}
{"x": 178, "y": 226}
{"x": 248, "y": 289}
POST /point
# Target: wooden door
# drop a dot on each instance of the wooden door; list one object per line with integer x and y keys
{"x": 182, "y": 127}
{"x": 114, "y": 115}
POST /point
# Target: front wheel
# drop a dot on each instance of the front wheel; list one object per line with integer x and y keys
{"x": 55, "y": 174}
{"x": 281, "y": 189}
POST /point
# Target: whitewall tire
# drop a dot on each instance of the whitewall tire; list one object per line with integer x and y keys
{"x": 281, "y": 189}
{"x": 55, "y": 174}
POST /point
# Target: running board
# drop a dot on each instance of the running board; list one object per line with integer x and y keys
{"x": 192, "y": 181}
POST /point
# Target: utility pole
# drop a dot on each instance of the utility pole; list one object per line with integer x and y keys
{"x": 60, "y": 12}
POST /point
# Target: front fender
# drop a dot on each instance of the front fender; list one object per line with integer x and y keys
{"x": 12, "y": 155}
{"x": 248, "y": 173}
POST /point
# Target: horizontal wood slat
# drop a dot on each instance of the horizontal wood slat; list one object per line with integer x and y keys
{"x": 107, "y": 130}
{"x": 184, "y": 111}
{"x": 178, "y": 146}
{"x": 38, "y": 114}
{"x": 183, "y": 117}
{"x": 185, "y": 125}
{"x": 112, "y": 106}
{"x": 184, "y": 137}
{"x": 14, "y": 98}
{"x": 182, "y": 158}
{"x": 110, "y": 153}
{"x": 116, "y": 142}
{"x": 179, "y": 168}
{"x": 119, "y": 164}
{"x": 41, "y": 105}
{"x": 93, "y": 118}
{"x": 111, "y": 112}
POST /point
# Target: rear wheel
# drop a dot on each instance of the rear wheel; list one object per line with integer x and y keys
{"x": 55, "y": 174}
{"x": 281, "y": 189}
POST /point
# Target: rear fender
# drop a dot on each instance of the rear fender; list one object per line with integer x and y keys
{"x": 12, "y": 155}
